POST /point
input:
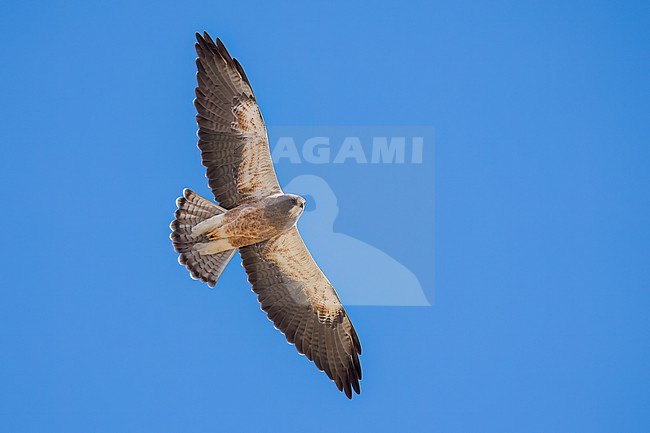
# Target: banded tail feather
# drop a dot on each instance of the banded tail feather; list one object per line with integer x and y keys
{"x": 193, "y": 210}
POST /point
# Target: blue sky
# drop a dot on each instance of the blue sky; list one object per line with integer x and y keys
{"x": 536, "y": 242}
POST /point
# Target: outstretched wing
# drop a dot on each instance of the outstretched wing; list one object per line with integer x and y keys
{"x": 303, "y": 305}
{"x": 232, "y": 137}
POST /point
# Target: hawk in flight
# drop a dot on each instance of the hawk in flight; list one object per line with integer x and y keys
{"x": 255, "y": 217}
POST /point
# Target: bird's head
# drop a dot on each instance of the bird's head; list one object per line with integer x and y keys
{"x": 284, "y": 210}
{"x": 298, "y": 205}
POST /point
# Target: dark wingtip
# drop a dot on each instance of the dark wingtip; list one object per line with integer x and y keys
{"x": 355, "y": 385}
{"x": 206, "y": 44}
{"x": 357, "y": 343}
{"x": 206, "y": 37}
{"x": 241, "y": 71}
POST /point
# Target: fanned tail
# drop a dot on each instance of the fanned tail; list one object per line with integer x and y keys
{"x": 192, "y": 210}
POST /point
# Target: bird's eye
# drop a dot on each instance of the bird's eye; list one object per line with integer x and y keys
{"x": 302, "y": 204}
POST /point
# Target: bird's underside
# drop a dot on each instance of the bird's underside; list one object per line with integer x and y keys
{"x": 256, "y": 218}
{"x": 249, "y": 223}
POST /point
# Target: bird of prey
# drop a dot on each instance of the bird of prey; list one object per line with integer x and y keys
{"x": 256, "y": 217}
